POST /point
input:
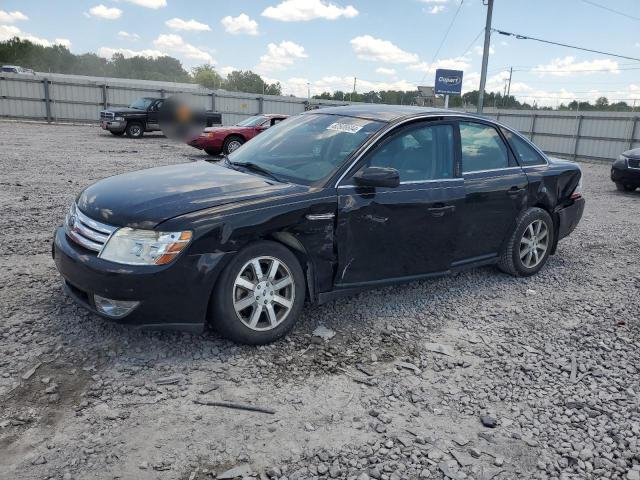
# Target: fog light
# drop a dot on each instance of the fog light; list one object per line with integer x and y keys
{"x": 114, "y": 308}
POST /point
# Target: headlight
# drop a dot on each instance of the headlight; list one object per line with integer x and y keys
{"x": 144, "y": 247}
{"x": 119, "y": 119}
{"x": 210, "y": 134}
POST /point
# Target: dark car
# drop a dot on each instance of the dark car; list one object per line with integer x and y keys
{"x": 625, "y": 171}
{"x": 217, "y": 140}
{"x": 328, "y": 203}
{"x": 143, "y": 115}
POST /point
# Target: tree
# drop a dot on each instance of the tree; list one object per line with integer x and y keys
{"x": 250, "y": 82}
{"x": 206, "y": 76}
{"x": 602, "y": 103}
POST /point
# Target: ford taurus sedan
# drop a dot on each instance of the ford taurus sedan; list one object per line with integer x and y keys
{"x": 328, "y": 203}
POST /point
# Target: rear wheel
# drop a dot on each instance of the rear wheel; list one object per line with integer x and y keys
{"x": 134, "y": 130}
{"x": 529, "y": 246}
{"x": 232, "y": 143}
{"x": 625, "y": 187}
{"x": 259, "y": 295}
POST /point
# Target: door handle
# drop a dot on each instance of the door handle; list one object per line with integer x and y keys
{"x": 514, "y": 191}
{"x": 441, "y": 211}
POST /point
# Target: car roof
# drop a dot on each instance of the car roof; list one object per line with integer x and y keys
{"x": 387, "y": 113}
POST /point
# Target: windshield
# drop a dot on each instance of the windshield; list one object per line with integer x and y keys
{"x": 251, "y": 121}
{"x": 306, "y": 148}
{"x": 141, "y": 103}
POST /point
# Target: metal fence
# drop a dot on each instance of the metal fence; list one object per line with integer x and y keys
{"x": 600, "y": 136}
{"x": 74, "y": 98}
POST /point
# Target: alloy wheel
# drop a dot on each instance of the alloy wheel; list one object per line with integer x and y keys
{"x": 233, "y": 145}
{"x": 263, "y": 293}
{"x": 534, "y": 243}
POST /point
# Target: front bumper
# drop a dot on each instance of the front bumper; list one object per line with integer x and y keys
{"x": 201, "y": 142}
{"x": 623, "y": 174}
{"x": 570, "y": 217}
{"x": 174, "y": 296}
{"x": 113, "y": 125}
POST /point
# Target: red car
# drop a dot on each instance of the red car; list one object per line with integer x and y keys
{"x": 217, "y": 140}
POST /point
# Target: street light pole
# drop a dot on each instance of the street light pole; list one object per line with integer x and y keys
{"x": 485, "y": 55}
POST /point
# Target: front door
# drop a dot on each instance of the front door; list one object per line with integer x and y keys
{"x": 407, "y": 231}
{"x": 495, "y": 192}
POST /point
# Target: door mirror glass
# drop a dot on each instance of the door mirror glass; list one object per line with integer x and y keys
{"x": 377, "y": 177}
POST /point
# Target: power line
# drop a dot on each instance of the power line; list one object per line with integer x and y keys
{"x": 444, "y": 38}
{"x": 524, "y": 37}
{"x": 609, "y": 9}
{"x": 474, "y": 41}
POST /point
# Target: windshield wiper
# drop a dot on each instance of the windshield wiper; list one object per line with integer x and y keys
{"x": 256, "y": 168}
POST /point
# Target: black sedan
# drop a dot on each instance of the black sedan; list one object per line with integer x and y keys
{"x": 324, "y": 204}
{"x": 625, "y": 171}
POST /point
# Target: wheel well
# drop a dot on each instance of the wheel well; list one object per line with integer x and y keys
{"x": 236, "y": 135}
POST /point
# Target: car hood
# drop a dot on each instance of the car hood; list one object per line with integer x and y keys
{"x": 145, "y": 198}
{"x": 125, "y": 111}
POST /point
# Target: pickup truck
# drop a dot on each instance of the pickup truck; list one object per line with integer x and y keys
{"x": 141, "y": 116}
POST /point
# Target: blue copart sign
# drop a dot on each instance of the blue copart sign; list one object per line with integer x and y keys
{"x": 448, "y": 82}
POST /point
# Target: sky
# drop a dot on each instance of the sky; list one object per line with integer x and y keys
{"x": 321, "y": 45}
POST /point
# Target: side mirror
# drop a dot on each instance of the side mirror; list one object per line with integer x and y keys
{"x": 377, "y": 177}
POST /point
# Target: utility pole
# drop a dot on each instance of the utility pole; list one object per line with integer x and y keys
{"x": 510, "y": 75}
{"x": 485, "y": 55}
{"x": 308, "y": 91}
{"x": 354, "y": 88}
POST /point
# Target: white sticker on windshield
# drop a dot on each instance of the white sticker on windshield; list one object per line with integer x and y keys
{"x": 344, "y": 127}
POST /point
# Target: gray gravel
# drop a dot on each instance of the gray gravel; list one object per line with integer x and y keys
{"x": 474, "y": 376}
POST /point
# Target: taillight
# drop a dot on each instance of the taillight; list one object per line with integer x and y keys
{"x": 577, "y": 193}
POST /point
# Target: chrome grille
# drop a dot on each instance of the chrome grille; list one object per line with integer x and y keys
{"x": 87, "y": 232}
{"x": 104, "y": 115}
{"x": 634, "y": 162}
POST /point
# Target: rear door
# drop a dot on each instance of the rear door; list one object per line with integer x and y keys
{"x": 410, "y": 230}
{"x": 495, "y": 190}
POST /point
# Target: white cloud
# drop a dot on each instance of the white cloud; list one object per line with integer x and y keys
{"x": 480, "y": 50}
{"x": 240, "y": 24}
{"x": 562, "y": 67}
{"x": 303, "y": 10}
{"x": 189, "y": 25}
{"x": 377, "y": 50}
{"x": 9, "y": 31}
{"x": 65, "y": 42}
{"x": 11, "y": 17}
{"x": 437, "y": 9}
{"x": 224, "y": 71}
{"x": 385, "y": 71}
{"x": 434, "y": 1}
{"x": 105, "y": 12}
{"x": 298, "y": 86}
{"x": 175, "y": 44}
{"x": 455, "y": 63}
{"x": 281, "y": 56}
{"x": 108, "y": 52}
{"x": 155, "y": 4}
{"x": 128, "y": 36}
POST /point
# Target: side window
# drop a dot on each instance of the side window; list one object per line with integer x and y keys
{"x": 482, "y": 148}
{"x": 423, "y": 152}
{"x": 526, "y": 154}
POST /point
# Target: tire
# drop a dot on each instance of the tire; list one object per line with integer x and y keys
{"x": 515, "y": 259}
{"x": 232, "y": 143}
{"x": 212, "y": 152}
{"x": 232, "y": 318}
{"x": 117, "y": 134}
{"x": 134, "y": 130}
{"x": 625, "y": 187}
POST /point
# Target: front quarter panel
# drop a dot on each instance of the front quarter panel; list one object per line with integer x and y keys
{"x": 285, "y": 219}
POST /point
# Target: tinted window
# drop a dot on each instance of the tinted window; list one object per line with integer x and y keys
{"x": 482, "y": 148}
{"x": 419, "y": 153}
{"x": 525, "y": 153}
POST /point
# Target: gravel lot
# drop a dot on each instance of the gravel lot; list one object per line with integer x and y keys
{"x": 474, "y": 376}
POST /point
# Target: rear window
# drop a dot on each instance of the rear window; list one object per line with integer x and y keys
{"x": 527, "y": 155}
{"x": 482, "y": 148}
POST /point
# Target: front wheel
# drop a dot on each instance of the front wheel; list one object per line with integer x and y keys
{"x": 625, "y": 187}
{"x": 529, "y": 246}
{"x": 259, "y": 295}
{"x": 231, "y": 144}
{"x": 134, "y": 130}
